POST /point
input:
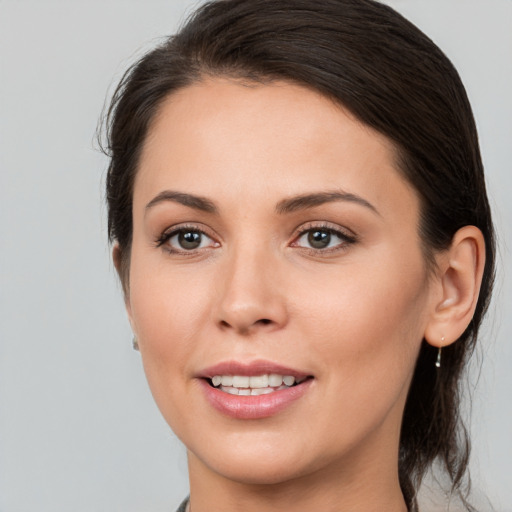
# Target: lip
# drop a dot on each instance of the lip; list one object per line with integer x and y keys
{"x": 250, "y": 369}
{"x": 252, "y": 407}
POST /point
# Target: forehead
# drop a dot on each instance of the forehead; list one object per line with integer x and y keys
{"x": 220, "y": 136}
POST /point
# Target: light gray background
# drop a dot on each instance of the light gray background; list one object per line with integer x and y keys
{"x": 78, "y": 428}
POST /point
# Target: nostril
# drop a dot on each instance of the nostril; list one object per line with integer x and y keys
{"x": 246, "y": 326}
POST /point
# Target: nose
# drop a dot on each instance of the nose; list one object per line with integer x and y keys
{"x": 251, "y": 297}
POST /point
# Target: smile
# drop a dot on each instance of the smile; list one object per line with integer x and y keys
{"x": 254, "y": 390}
{"x": 255, "y": 385}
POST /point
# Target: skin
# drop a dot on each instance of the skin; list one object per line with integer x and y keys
{"x": 353, "y": 315}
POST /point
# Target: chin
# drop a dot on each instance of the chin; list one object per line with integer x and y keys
{"x": 255, "y": 471}
{"x": 258, "y": 461}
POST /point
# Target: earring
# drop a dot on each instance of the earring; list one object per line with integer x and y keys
{"x": 438, "y": 360}
{"x": 135, "y": 343}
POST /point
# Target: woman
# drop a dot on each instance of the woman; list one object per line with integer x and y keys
{"x": 300, "y": 224}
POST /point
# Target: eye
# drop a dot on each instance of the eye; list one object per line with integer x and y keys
{"x": 322, "y": 238}
{"x": 186, "y": 240}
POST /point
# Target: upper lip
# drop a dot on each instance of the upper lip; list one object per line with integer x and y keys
{"x": 249, "y": 369}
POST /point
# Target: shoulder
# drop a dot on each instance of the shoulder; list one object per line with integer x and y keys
{"x": 184, "y": 506}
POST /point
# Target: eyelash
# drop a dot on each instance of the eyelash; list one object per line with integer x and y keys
{"x": 170, "y": 233}
{"x": 347, "y": 238}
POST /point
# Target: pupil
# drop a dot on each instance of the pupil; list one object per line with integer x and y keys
{"x": 189, "y": 239}
{"x": 319, "y": 239}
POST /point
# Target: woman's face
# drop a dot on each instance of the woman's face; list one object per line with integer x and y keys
{"x": 273, "y": 235}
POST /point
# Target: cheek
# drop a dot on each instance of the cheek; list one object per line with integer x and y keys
{"x": 360, "y": 325}
{"x": 368, "y": 323}
{"x": 168, "y": 311}
{"x": 364, "y": 329}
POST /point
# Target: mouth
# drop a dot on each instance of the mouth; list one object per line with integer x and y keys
{"x": 255, "y": 385}
{"x": 255, "y": 390}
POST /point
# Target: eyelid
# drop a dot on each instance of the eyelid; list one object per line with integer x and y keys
{"x": 347, "y": 236}
{"x": 328, "y": 226}
{"x": 171, "y": 231}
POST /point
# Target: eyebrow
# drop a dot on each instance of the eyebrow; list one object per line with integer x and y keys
{"x": 306, "y": 201}
{"x": 190, "y": 200}
{"x": 290, "y": 205}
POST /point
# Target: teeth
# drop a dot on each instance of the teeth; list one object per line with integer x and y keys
{"x": 226, "y": 380}
{"x": 289, "y": 380}
{"x": 240, "y": 382}
{"x": 261, "y": 391}
{"x": 275, "y": 380}
{"x": 254, "y": 385}
{"x": 260, "y": 381}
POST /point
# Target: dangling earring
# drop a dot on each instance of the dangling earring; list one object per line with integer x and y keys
{"x": 135, "y": 343}
{"x": 438, "y": 360}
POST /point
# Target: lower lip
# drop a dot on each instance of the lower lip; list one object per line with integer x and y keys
{"x": 253, "y": 407}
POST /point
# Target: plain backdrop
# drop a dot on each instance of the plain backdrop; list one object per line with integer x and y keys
{"x": 78, "y": 428}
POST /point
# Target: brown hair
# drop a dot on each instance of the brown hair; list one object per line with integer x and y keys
{"x": 383, "y": 69}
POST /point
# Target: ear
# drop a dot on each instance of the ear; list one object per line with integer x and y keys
{"x": 117, "y": 258}
{"x": 456, "y": 287}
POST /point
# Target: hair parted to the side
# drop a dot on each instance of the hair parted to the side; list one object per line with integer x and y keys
{"x": 383, "y": 69}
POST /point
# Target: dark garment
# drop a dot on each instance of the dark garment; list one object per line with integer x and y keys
{"x": 183, "y": 506}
